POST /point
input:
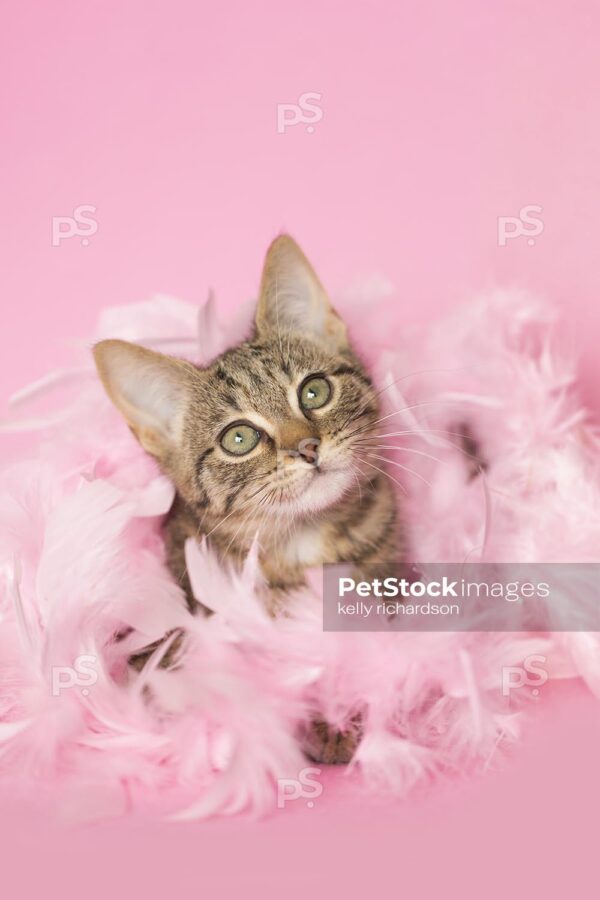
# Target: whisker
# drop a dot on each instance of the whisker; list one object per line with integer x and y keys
{"x": 400, "y": 466}
{"x": 357, "y": 479}
{"x": 396, "y": 381}
{"x": 441, "y": 431}
{"x": 371, "y": 425}
{"x": 400, "y": 447}
{"x": 412, "y": 406}
{"x": 235, "y": 511}
{"x": 220, "y": 492}
{"x": 387, "y": 474}
{"x": 253, "y": 514}
{"x": 422, "y": 431}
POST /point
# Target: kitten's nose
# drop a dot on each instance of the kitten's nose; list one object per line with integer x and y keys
{"x": 308, "y": 449}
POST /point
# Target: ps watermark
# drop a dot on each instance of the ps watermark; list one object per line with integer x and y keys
{"x": 303, "y": 112}
{"x": 531, "y": 674}
{"x": 82, "y": 674}
{"x": 526, "y": 224}
{"x": 302, "y": 788}
{"x": 77, "y": 225}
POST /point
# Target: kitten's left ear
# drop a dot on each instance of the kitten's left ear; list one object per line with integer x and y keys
{"x": 293, "y": 299}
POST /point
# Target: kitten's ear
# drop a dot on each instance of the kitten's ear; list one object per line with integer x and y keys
{"x": 293, "y": 299}
{"x": 148, "y": 388}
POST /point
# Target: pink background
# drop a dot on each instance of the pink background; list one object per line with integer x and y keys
{"x": 437, "y": 119}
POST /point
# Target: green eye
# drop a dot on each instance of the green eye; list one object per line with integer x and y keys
{"x": 240, "y": 439}
{"x": 315, "y": 393}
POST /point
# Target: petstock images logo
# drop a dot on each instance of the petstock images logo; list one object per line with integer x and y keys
{"x": 463, "y": 597}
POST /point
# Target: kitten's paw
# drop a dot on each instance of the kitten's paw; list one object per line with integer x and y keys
{"x": 324, "y": 744}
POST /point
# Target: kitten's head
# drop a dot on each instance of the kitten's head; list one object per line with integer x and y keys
{"x": 272, "y": 427}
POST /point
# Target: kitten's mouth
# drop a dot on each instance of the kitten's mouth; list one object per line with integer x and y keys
{"x": 315, "y": 489}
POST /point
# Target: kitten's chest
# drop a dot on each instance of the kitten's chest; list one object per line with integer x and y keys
{"x": 305, "y": 548}
{"x": 284, "y": 559}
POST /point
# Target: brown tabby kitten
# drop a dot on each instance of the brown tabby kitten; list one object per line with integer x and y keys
{"x": 271, "y": 438}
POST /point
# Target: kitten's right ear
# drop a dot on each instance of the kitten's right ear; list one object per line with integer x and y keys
{"x": 148, "y": 388}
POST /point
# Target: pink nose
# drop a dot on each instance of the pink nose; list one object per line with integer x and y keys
{"x": 308, "y": 450}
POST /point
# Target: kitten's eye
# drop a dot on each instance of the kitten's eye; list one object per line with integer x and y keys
{"x": 240, "y": 439}
{"x": 315, "y": 393}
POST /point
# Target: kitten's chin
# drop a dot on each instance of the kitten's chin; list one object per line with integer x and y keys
{"x": 322, "y": 490}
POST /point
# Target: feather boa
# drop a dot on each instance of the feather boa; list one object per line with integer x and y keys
{"x": 81, "y": 561}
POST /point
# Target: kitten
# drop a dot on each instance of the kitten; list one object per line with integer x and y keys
{"x": 271, "y": 438}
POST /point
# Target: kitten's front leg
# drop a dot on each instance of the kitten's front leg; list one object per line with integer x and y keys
{"x": 280, "y": 582}
{"x": 179, "y": 526}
